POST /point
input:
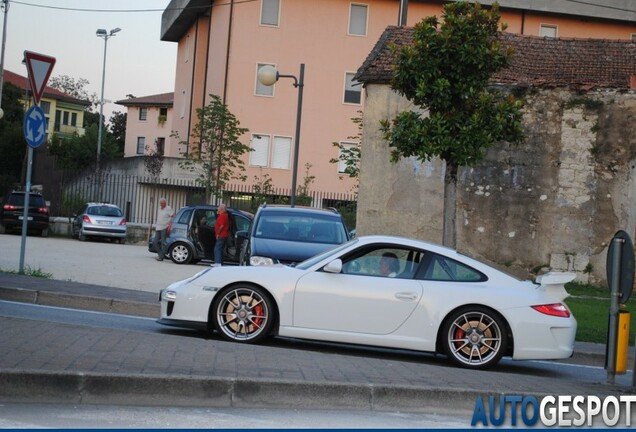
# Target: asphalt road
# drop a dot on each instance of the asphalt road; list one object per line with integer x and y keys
{"x": 94, "y": 262}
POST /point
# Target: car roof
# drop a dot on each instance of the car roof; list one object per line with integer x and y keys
{"x": 300, "y": 209}
{"x": 214, "y": 207}
{"x": 92, "y": 204}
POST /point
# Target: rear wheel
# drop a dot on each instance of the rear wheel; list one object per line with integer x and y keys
{"x": 474, "y": 337}
{"x": 243, "y": 314}
{"x": 180, "y": 253}
{"x": 44, "y": 232}
{"x": 2, "y": 229}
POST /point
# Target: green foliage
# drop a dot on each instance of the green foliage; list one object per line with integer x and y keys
{"x": 13, "y": 147}
{"x": 74, "y": 87}
{"x": 28, "y": 271}
{"x": 348, "y": 154}
{"x": 76, "y": 153}
{"x": 118, "y": 129}
{"x": 446, "y": 71}
{"x": 215, "y": 150}
{"x": 153, "y": 161}
{"x": 72, "y": 203}
{"x": 303, "y": 196}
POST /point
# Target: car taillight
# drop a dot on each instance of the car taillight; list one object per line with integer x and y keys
{"x": 554, "y": 309}
{"x": 123, "y": 222}
{"x": 169, "y": 229}
{"x": 9, "y": 207}
{"x": 43, "y": 210}
{"x": 87, "y": 219}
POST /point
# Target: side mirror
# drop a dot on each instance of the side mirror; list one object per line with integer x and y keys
{"x": 334, "y": 266}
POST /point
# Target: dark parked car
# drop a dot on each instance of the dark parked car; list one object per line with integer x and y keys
{"x": 12, "y": 213}
{"x": 288, "y": 235}
{"x": 101, "y": 220}
{"x": 190, "y": 236}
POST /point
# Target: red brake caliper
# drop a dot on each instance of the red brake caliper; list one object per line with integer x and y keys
{"x": 258, "y": 311}
{"x": 459, "y": 334}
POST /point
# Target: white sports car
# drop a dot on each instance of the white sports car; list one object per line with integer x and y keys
{"x": 383, "y": 291}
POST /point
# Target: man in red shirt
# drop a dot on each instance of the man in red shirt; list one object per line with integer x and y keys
{"x": 222, "y": 232}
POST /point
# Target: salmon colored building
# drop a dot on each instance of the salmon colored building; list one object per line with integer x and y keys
{"x": 222, "y": 44}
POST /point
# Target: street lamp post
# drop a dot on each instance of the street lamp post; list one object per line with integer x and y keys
{"x": 268, "y": 75}
{"x": 102, "y": 33}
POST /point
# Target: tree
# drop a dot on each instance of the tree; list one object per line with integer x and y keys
{"x": 74, "y": 87}
{"x": 118, "y": 129}
{"x": 76, "y": 153}
{"x": 446, "y": 71}
{"x": 348, "y": 154}
{"x": 13, "y": 146}
{"x": 215, "y": 148}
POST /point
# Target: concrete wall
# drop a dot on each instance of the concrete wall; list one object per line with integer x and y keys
{"x": 554, "y": 201}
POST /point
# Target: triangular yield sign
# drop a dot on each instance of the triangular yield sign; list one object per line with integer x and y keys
{"x": 39, "y": 67}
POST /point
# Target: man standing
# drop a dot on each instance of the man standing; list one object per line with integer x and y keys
{"x": 222, "y": 232}
{"x": 164, "y": 214}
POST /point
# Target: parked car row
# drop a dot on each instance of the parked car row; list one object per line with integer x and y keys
{"x": 276, "y": 235}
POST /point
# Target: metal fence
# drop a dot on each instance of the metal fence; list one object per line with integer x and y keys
{"x": 137, "y": 196}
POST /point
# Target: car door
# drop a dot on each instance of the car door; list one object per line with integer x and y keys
{"x": 359, "y": 299}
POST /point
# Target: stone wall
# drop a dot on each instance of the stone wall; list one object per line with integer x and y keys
{"x": 554, "y": 201}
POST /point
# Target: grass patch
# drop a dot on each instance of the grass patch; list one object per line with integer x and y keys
{"x": 590, "y": 306}
{"x": 28, "y": 271}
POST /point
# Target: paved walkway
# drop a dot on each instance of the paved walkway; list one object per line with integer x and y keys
{"x": 47, "y": 362}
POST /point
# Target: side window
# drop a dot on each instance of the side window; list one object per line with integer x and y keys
{"x": 185, "y": 217}
{"x": 352, "y": 90}
{"x": 384, "y": 262}
{"x": 548, "y": 30}
{"x": 241, "y": 223}
{"x": 442, "y": 268}
{"x": 143, "y": 113}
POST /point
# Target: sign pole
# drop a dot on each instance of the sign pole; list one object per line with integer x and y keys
{"x": 25, "y": 217}
{"x": 613, "y": 315}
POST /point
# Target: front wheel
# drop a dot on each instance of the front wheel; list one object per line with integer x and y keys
{"x": 474, "y": 337}
{"x": 243, "y": 314}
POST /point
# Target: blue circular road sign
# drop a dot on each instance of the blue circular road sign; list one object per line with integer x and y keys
{"x": 34, "y": 126}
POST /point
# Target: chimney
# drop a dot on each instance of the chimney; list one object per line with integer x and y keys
{"x": 402, "y": 14}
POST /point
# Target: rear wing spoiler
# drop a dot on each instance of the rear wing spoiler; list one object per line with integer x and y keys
{"x": 554, "y": 283}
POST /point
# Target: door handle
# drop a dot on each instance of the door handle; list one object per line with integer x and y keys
{"x": 406, "y": 296}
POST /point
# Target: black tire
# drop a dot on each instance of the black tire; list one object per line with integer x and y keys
{"x": 44, "y": 232}
{"x": 180, "y": 253}
{"x": 243, "y": 313}
{"x": 3, "y": 230}
{"x": 474, "y": 337}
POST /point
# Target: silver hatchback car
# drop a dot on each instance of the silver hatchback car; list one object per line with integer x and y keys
{"x": 100, "y": 220}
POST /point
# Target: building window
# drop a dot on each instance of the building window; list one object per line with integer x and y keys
{"x": 260, "y": 153}
{"x": 163, "y": 112}
{"x": 358, "y": 19}
{"x": 58, "y": 119}
{"x": 270, "y": 12}
{"x": 46, "y": 107}
{"x": 263, "y": 90}
{"x": 161, "y": 146}
{"x": 281, "y": 152}
{"x": 633, "y": 37}
{"x": 141, "y": 145}
{"x": 352, "y": 90}
{"x": 65, "y": 117}
{"x": 344, "y": 147}
{"x": 74, "y": 119}
{"x": 143, "y": 113}
{"x": 548, "y": 30}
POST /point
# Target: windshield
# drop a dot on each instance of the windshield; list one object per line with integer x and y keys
{"x": 315, "y": 259}
{"x": 296, "y": 226}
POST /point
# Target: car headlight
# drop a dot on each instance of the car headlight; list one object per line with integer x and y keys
{"x": 169, "y": 295}
{"x": 259, "y": 260}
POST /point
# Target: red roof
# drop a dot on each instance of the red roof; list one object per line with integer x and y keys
{"x": 49, "y": 92}
{"x": 537, "y": 61}
{"x": 158, "y": 100}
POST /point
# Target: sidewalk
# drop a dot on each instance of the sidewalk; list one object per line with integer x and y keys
{"x": 48, "y": 362}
